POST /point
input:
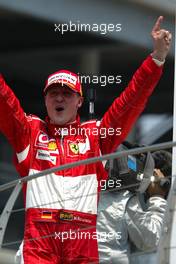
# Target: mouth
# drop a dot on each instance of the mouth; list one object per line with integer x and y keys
{"x": 59, "y": 109}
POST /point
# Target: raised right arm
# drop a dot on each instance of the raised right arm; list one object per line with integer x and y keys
{"x": 13, "y": 121}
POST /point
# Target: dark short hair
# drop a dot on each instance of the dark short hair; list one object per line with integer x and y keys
{"x": 163, "y": 161}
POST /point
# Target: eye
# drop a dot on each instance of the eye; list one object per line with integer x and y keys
{"x": 52, "y": 93}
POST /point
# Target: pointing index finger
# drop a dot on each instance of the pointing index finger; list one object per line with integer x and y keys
{"x": 157, "y": 25}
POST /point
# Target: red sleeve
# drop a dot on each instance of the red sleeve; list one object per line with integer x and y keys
{"x": 13, "y": 121}
{"x": 127, "y": 107}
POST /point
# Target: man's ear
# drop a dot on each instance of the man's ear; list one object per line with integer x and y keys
{"x": 81, "y": 99}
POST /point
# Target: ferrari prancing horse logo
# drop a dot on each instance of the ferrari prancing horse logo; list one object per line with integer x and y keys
{"x": 74, "y": 148}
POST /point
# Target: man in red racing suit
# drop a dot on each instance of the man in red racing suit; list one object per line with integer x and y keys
{"x": 61, "y": 207}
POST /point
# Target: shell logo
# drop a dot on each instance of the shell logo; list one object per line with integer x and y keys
{"x": 52, "y": 145}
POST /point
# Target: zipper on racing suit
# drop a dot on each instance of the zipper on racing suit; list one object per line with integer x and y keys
{"x": 62, "y": 149}
{"x": 60, "y": 144}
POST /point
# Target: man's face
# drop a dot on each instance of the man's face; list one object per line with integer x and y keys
{"x": 62, "y": 104}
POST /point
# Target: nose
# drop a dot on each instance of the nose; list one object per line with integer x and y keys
{"x": 59, "y": 97}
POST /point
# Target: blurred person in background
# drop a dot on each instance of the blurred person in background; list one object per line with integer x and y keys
{"x": 125, "y": 221}
{"x": 67, "y": 200}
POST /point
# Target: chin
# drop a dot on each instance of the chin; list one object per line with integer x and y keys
{"x": 59, "y": 121}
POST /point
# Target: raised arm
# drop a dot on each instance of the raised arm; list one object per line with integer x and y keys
{"x": 13, "y": 121}
{"x": 127, "y": 107}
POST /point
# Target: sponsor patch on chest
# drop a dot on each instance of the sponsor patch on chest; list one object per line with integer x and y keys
{"x": 78, "y": 147}
{"x": 44, "y": 142}
{"x": 46, "y": 155}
